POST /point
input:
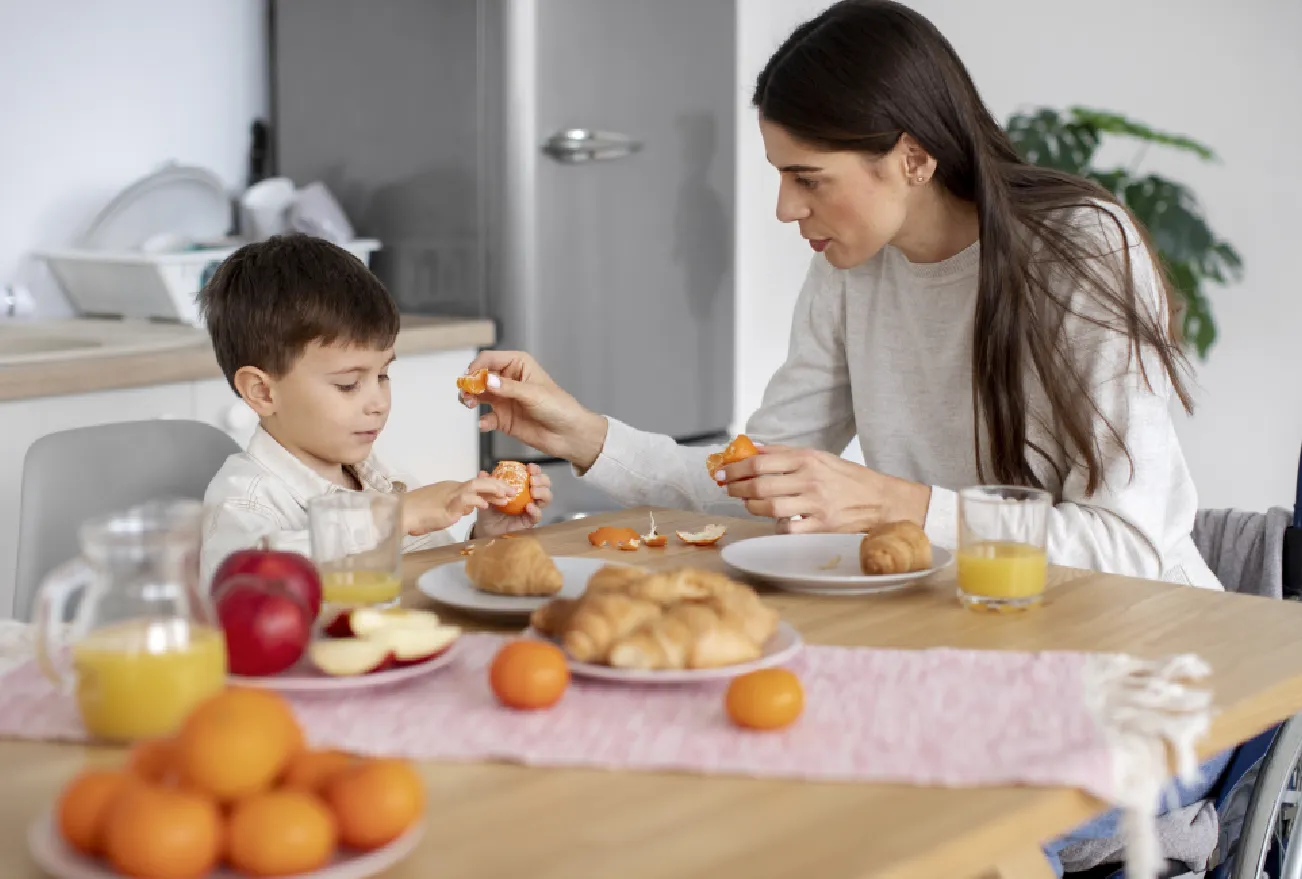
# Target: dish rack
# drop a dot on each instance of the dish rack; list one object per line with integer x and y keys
{"x": 149, "y": 286}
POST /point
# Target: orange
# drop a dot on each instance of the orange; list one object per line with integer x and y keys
{"x": 475, "y": 383}
{"x": 85, "y": 805}
{"x": 375, "y": 802}
{"x": 310, "y": 770}
{"x": 529, "y": 674}
{"x": 770, "y": 698}
{"x": 154, "y": 760}
{"x": 163, "y": 833}
{"x": 237, "y": 743}
{"x": 739, "y": 449}
{"x": 516, "y": 475}
{"x": 279, "y": 833}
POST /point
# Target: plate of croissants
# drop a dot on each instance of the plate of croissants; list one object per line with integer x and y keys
{"x": 661, "y": 627}
{"x": 887, "y": 557}
{"x": 507, "y": 577}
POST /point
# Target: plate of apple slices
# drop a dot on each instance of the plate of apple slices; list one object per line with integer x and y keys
{"x": 367, "y": 647}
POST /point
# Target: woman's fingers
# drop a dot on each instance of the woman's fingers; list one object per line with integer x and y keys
{"x": 779, "y": 507}
{"x": 514, "y": 364}
{"x": 777, "y": 485}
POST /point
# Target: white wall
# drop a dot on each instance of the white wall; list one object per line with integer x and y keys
{"x": 94, "y": 95}
{"x": 1226, "y": 74}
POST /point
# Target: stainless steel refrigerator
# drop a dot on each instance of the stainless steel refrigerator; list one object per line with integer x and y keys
{"x": 564, "y": 167}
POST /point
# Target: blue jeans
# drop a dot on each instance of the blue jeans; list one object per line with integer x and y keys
{"x": 1108, "y": 824}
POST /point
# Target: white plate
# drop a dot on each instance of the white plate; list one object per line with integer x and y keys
{"x": 818, "y": 564}
{"x": 54, "y": 857}
{"x": 449, "y": 585}
{"x": 304, "y": 677}
{"x": 785, "y": 643}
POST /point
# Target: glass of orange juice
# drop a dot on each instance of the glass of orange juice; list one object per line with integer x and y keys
{"x": 356, "y": 539}
{"x": 126, "y": 628}
{"x": 1002, "y": 541}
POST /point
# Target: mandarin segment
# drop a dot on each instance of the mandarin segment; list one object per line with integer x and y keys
{"x": 475, "y": 383}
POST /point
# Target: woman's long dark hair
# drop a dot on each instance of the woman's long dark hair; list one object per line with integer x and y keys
{"x": 866, "y": 72}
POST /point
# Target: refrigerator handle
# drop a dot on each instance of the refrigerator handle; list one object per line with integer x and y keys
{"x": 574, "y": 145}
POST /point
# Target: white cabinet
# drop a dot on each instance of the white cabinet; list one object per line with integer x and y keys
{"x": 22, "y": 422}
{"x": 430, "y": 436}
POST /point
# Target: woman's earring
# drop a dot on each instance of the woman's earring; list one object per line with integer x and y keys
{"x": 921, "y": 179}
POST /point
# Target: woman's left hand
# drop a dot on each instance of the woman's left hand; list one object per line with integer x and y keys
{"x": 493, "y": 522}
{"x": 808, "y": 490}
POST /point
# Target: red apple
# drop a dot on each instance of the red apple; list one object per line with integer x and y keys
{"x": 267, "y": 626}
{"x": 293, "y": 569}
{"x": 416, "y": 644}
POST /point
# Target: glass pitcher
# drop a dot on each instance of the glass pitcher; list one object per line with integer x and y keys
{"x": 142, "y": 645}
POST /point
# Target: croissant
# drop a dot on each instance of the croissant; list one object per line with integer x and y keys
{"x": 553, "y": 618}
{"x": 601, "y": 619}
{"x": 894, "y": 548}
{"x": 741, "y": 609}
{"x": 514, "y": 567}
{"x": 668, "y": 587}
{"x": 614, "y": 578}
{"x": 687, "y": 635}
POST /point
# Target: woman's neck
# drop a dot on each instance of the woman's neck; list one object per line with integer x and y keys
{"x": 938, "y": 226}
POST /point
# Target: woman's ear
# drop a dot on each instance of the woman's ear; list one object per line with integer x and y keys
{"x": 917, "y": 164}
{"x": 256, "y": 388}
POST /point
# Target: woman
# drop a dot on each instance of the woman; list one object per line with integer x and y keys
{"x": 973, "y": 318}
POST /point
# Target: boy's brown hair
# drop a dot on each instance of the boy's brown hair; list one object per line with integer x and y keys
{"x": 267, "y": 301}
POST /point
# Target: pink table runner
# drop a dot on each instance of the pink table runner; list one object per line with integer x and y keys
{"x": 956, "y": 718}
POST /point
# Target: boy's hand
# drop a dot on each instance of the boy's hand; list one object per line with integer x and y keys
{"x": 492, "y": 521}
{"x": 442, "y": 504}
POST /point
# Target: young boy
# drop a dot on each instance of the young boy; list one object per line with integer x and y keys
{"x": 304, "y": 333}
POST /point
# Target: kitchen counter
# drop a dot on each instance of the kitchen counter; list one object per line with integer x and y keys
{"x": 192, "y": 362}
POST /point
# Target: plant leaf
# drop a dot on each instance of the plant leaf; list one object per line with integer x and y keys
{"x": 1106, "y": 122}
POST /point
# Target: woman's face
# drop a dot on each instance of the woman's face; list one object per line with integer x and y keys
{"x": 849, "y": 205}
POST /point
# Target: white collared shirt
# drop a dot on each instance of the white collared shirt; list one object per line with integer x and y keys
{"x": 263, "y": 492}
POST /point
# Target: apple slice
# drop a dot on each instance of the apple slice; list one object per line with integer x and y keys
{"x": 412, "y": 645}
{"x": 345, "y": 657}
{"x": 366, "y": 621}
{"x": 708, "y": 535}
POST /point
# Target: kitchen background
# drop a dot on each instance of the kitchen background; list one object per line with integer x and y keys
{"x": 96, "y": 95}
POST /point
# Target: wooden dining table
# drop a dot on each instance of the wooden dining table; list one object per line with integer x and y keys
{"x": 488, "y": 820}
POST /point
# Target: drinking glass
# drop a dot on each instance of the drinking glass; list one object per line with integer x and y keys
{"x": 1002, "y": 541}
{"x": 356, "y": 543}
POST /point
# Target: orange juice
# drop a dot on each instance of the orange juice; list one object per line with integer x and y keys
{"x": 1001, "y": 569}
{"x": 359, "y": 587}
{"x": 140, "y": 678}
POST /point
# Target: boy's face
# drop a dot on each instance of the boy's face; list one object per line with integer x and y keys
{"x": 332, "y": 404}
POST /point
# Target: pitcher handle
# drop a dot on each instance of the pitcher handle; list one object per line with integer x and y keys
{"x": 52, "y": 599}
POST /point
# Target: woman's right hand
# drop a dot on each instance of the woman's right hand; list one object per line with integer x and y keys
{"x": 528, "y": 406}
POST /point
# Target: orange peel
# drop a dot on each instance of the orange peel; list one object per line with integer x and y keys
{"x": 707, "y": 536}
{"x": 609, "y": 535}
{"x": 739, "y": 449}
{"x": 628, "y": 546}
{"x": 654, "y": 537}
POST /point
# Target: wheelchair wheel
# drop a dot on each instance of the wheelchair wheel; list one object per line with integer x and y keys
{"x": 1271, "y": 821}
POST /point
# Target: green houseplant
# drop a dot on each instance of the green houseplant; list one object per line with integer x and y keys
{"x": 1191, "y": 252}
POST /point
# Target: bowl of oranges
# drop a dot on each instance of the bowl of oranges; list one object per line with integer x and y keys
{"x": 235, "y": 793}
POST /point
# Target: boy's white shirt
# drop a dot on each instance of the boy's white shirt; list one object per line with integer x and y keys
{"x": 263, "y": 492}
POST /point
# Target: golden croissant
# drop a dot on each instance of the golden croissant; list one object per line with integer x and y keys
{"x": 686, "y": 635}
{"x": 514, "y": 567}
{"x": 894, "y": 548}
{"x": 599, "y": 620}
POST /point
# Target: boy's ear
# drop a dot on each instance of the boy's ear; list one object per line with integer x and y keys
{"x": 255, "y": 388}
